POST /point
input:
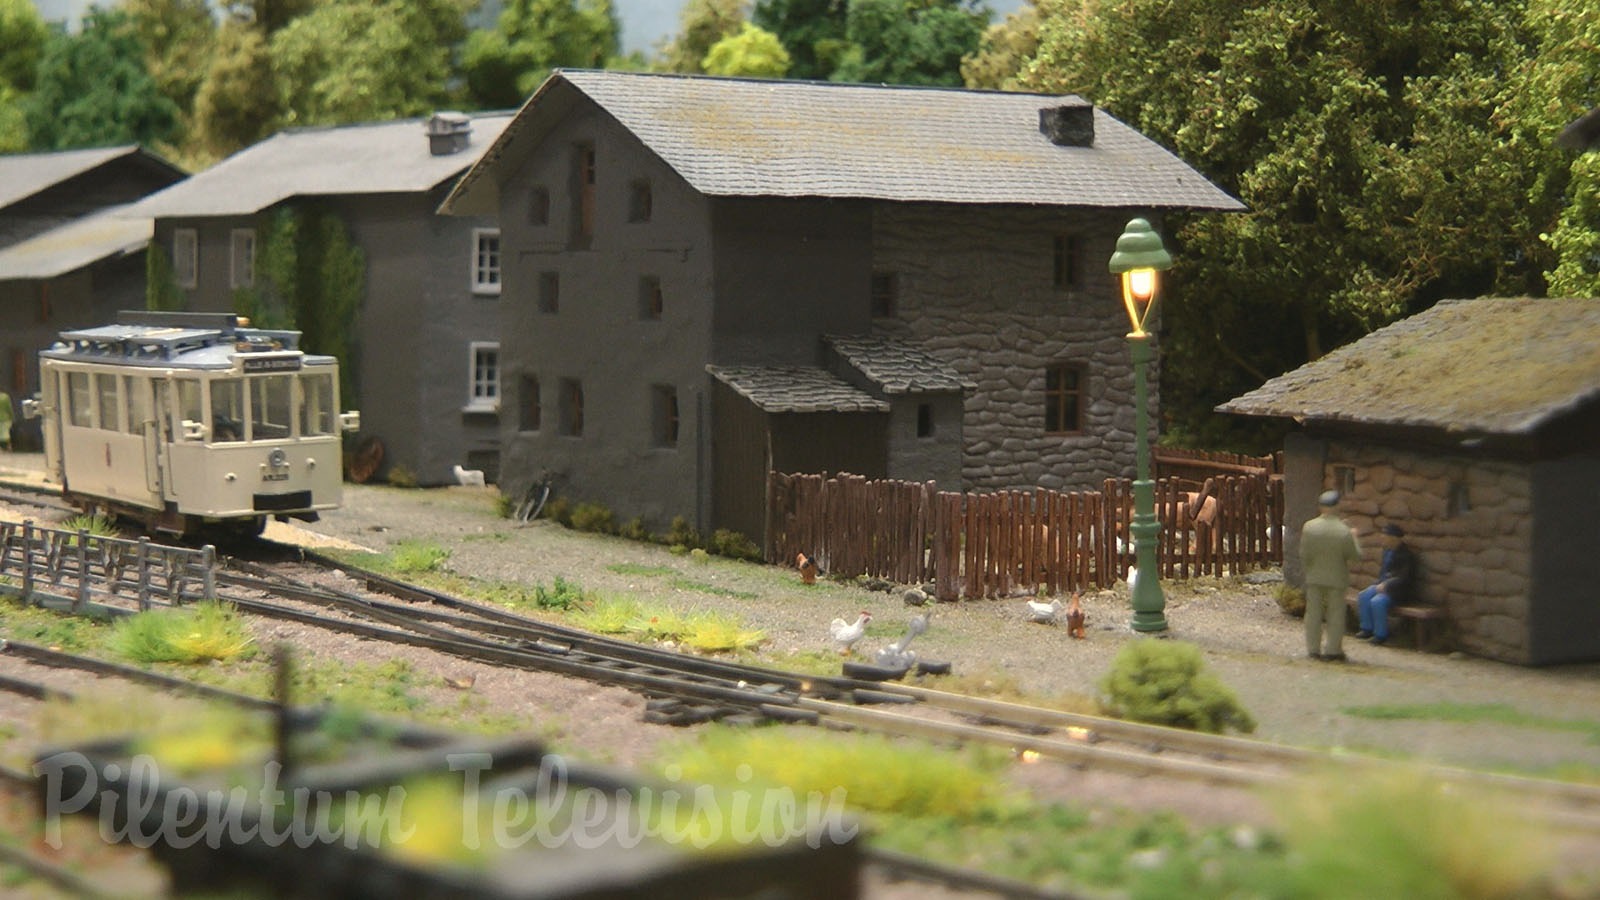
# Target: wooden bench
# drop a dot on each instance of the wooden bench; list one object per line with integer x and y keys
{"x": 1430, "y": 623}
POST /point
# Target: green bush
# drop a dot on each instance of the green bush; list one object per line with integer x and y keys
{"x": 1290, "y": 600}
{"x": 1165, "y": 682}
{"x": 635, "y": 530}
{"x": 593, "y": 517}
{"x": 681, "y": 535}
{"x": 562, "y": 595}
{"x": 558, "y": 510}
{"x": 402, "y": 476}
{"x": 504, "y": 506}
{"x": 734, "y": 545}
{"x": 97, "y": 525}
{"x": 415, "y": 557}
{"x": 190, "y": 634}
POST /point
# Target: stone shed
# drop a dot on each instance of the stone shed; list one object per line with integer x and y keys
{"x": 1475, "y": 426}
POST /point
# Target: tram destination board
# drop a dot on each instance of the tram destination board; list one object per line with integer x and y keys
{"x": 271, "y": 364}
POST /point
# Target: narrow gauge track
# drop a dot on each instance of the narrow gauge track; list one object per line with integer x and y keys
{"x": 23, "y": 494}
{"x": 897, "y": 866}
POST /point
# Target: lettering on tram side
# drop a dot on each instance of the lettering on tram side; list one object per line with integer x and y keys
{"x": 271, "y": 364}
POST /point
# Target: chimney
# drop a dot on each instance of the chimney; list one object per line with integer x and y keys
{"x": 1068, "y": 125}
{"x": 448, "y": 132}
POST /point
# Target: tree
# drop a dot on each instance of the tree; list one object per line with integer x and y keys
{"x": 268, "y": 16}
{"x": 1372, "y": 142}
{"x": 703, "y": 24}
{"x": 23, "y": 36}
{"x": 532, "y": 37}
{"x": 1006, "y": 47}
{"x": 356, "y": 61}
{"x": 812, "y": 31}
{"x": 753, "y": 52}
{"x": 910, "y": 41}
{"x": 178, "y": 36}
{"x": 93, "y": 89}
{"x": 238, "y": 102}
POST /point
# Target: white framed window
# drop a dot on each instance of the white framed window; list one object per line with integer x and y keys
{"x": 484, "y": 376}
{"x": 242, "y": 265}
{"x": 185, "y": 257}
{"x": 486, "y": 260}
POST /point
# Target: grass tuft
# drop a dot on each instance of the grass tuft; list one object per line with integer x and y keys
{"x": 415, "y": 557}
{"x": 190, "y": 634}
{"x": 1495, "y": 713}
{"x": 97, "y": 525}
{"x": 721, "y": 633}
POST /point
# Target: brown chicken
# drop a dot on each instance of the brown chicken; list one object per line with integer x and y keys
{"x": 1075, "y": 618}
{"x": 807, "y": 567}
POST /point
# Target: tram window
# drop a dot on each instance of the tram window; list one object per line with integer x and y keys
{"x": 137, "y": 390}
{"x": 316, "y": 409}
{"x": 227, "y": 410}
{"x": 105, "y": 388}
{"x": 269, "y": 407}
{"x": 79, "y": 398}
{"x": 189, "y": 408}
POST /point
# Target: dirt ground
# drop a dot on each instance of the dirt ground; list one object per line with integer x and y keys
{"x": 1248, "y": 642}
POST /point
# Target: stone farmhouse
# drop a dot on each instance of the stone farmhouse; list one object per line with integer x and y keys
{"x": 424, "y": 346}
{"x": 708, "y": 279}
{"x": 1473, "y": 426}
{"x": 66, "y": 259}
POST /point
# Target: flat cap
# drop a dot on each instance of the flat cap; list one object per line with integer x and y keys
{"x": 1329, "y": 498}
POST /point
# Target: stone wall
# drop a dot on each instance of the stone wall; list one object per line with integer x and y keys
{"x": 976, "y": 287}
{"x": 1471, "y": 524}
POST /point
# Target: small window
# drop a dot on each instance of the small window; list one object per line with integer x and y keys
{"x": 1066, "y": 269}
{"x": 316, "y": 405}
{"x": 1063, "y": 399}
{"x": 549, "y": 292}
{"x": 227, "y": 410}
{"x": 105, "y": 388}
{"x": 185, "y": 257}
{"x": 664, "y": 415}
{"x": 486, "y": 260}
{"x": 242, "y": 258}
{"x": 885, "y": 288}
{"x": 80, "y": 401}
{"x": 539, "y": 206}
{"x": 1458, "y": 503}
{"x": 137, "y": 390}
{"x": 485, "y": 360}
{"x": 651, "y": 303}
{"x": 1344, "y": 479}
{"x": 528, "y": 403}
{"x": 640, "y": 201}
{"x": 269, "y": 407}
{"x": 571, "y": 407}
{"x": 189, "y": 405}
{"x": 924, "y": 420}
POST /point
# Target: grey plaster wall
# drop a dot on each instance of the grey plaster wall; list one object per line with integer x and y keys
{"x": 599, "y": 334}
{"x": 935, "y": 457}
{"x": 787, "y": 272}
{"x": 1566, "y": 561}
{"x": 977, "y": 288}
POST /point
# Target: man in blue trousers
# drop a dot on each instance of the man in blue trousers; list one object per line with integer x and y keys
{"x": 1396, "y": 585}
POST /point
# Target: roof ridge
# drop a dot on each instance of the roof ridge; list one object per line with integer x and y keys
{"x": 379, "y": 123}
{"x": 750, "y": 79}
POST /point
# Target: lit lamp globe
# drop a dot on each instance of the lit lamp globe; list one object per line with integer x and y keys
{"x": 1138, "y": 257}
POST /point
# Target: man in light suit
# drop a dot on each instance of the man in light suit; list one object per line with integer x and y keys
{"x": 1327, "y": 548}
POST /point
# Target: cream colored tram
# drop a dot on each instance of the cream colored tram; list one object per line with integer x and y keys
{"x": 188, "y": 419}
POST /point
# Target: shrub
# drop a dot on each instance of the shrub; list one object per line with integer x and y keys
{"x": 679, "y": 534}
{"x": 558, "y": 510}
{"x": 563, "y": 595}
{"x": 734, "y": 545}
{"x": 97, "y": 525}
{"x": 504, "y": 506}
{"x": 700, "y": 556}
{"x": 188, "y": 634}
{"x": 593, "y": 517}
{"x": 1165, "y": 682}
{"x": 1290, "y": 600}
{"x": 415, "y": 557}
{"x": 402, "y": 476}
{"x": 635, "y": 530}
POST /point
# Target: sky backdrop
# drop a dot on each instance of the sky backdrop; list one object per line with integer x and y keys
{"x": 644, "y": 22}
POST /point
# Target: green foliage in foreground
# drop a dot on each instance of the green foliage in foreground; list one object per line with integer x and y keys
{"x": 1165, "y": 682}
{"x": 97, "y": 525}
{"x": 199, "y": 633}
{"x": 1495, "y": 713}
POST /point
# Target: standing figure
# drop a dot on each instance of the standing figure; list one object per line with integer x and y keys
{"x": 1327, "y": 547}
{"x": 1396, "y": 579}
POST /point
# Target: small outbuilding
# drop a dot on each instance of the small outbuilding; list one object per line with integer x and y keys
{"x": 1475, "y": 426}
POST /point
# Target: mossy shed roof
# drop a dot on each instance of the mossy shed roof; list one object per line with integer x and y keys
{"x": 1492, "y": 366}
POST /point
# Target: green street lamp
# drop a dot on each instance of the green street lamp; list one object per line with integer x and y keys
{"x": 1139, "y": 256}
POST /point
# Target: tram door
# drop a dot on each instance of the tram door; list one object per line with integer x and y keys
{"x": 159, "y": 440}
{"x": 142, "y": 418}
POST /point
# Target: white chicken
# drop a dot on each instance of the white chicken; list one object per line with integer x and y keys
{"x": 1133, "y": 578}
{"x": 1044, "y": 612}
{"x": 845, "y": 634}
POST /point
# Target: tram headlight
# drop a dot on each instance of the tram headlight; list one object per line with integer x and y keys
{"x": 277, "y": 458}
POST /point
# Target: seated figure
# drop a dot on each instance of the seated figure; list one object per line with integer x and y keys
{"x": 1396, "y": 585}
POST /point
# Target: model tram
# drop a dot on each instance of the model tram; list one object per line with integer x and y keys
{"x": 183, "y": 420}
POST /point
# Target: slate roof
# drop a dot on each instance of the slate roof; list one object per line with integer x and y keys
{"x": 795, "y": 389}
{"x": 372, "y": 158}
{"x": 897, "y": 367}
{"x": 67, "y": 248}
{"x": 24, "y": 174}
{"x": 758, "y": 137}
{"x": 1493, "y": 366}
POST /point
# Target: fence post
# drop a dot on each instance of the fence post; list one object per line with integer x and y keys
{"x": 144, "y": 574}
{"x": 27, "y": 561}
{"x": 208, "y": 576}
{"x": 83, "y": 571}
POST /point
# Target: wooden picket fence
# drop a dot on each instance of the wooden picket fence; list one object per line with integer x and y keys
{"x": 994, "y": 544}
